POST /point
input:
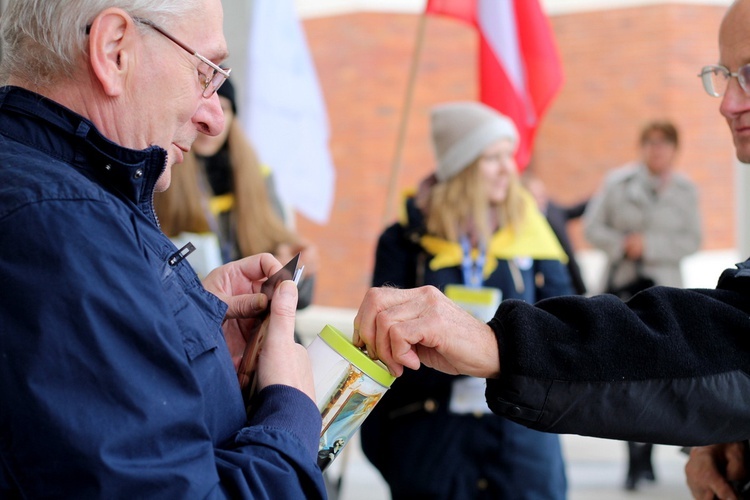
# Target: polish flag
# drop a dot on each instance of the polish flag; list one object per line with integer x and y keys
{"x": 519, "y": 67}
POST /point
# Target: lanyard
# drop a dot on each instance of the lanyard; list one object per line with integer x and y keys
{"x": 472, "y": 269}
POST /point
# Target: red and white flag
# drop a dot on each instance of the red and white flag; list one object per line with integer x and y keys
{"x": 519, "y": 66}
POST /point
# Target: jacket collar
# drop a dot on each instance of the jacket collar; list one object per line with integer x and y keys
{"x": 75, "y": 140}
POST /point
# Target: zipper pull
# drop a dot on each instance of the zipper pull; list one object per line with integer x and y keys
{"x": 181, "y": 254}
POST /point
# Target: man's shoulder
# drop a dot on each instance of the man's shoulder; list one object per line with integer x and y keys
{"x": 31, "y": 176}
{"x": 621, "y": 174}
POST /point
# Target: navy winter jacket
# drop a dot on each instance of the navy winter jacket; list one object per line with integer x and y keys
{"x": 115, "y": 380}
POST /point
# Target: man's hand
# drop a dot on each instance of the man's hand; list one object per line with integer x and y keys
{"x": 281, "y": 359}
{"x": 710, "y": 468}
{"x": 633, "y": 246}
{"x": 406, "y": 327}
{"x": 238, "y": 285}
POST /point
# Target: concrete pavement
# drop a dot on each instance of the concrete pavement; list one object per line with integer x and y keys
{"x": 595, "y": 467}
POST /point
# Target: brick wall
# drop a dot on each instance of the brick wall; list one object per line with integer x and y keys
{"x": 623, "y": 67}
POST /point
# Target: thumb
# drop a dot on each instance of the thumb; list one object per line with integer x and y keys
{"x": 284, "y": 303}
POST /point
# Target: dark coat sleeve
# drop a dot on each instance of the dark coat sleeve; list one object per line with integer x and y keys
{"x": 669, "y": 366}
{"x": 558, "y": 218}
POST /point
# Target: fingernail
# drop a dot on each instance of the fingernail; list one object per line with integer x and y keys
{"x": 260, "y": 302}
{"x": 355, "y": 337}
{"x": 287, "y": 287}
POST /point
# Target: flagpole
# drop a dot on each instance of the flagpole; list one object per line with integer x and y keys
{"x": 396, "y": 164}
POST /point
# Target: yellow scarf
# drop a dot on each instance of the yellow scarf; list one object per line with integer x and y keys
{"x": 225, "y": 202}
{"x": 534, "y": 239}
{"x": 220, "y": 204}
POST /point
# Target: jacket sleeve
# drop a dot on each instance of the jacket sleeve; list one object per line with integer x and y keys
{"x": 596, "y": 225}
{"x": 106, "y": 399}
{"x": 395, "y": 259}
{"x": 669, "y": 366}
{"x": 575, "y": 211}
{"x": 555, "y": 279}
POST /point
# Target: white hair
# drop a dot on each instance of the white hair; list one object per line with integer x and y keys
{"x": 42, "y": 40}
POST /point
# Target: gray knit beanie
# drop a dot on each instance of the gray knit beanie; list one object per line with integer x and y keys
{"x": 461, "y": 131}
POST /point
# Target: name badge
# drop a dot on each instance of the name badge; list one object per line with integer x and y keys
{"x": 480, "y": 302}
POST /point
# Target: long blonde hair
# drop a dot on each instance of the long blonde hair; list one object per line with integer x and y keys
{"x": 183, "y": 207}
{"x": 259, "y": 227}
{"x": 459, "y": 206}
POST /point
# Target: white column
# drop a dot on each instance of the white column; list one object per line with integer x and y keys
{"x": 236, "y": 24}
{"x": 743, "y": 209}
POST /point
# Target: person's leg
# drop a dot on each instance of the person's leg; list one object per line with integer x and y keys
{"x": 639, "y": 464}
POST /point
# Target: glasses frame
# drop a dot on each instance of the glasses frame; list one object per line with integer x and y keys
{"x": 212, "y": 83}
{"x": 208, "y": 88}
{"x": 705, "y": 76}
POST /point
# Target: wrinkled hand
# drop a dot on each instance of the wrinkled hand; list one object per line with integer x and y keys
{"x": 238, "y": 285}
{"x": 281, "y": 359}
{"x": 406, "y": 327}
{"x": 633, "y": 246}
{"x": 711, "y": 467}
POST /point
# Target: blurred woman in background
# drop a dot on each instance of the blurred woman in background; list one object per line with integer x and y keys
{"x": 474, "y": 232}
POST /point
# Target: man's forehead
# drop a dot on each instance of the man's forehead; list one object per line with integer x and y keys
{"x": 734, "y": 35}
{"x": 204, "y": 31}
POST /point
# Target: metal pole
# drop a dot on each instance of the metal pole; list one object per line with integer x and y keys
{"x": 396, "y": 164}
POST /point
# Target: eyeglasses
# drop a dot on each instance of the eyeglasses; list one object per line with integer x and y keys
{"x": 716, "y": 79}
{"x": 211, "y": 77}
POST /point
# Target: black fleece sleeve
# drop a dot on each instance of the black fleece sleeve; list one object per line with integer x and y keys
{"x": 669, "y": 366}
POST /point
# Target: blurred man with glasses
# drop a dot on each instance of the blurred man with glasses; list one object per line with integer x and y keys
{"x": 668, "y": 366}
{"x": 117, "y": 365}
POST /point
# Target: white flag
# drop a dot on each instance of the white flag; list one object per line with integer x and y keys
{"x": 285, "y": 114}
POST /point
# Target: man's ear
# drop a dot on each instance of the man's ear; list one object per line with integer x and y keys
{"x": 111, "y": 46}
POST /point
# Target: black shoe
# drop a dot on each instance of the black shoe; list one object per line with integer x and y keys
{"x": 631, "y": 483}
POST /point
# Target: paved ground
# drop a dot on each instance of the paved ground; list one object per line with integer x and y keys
{"x": 595, "y": 467}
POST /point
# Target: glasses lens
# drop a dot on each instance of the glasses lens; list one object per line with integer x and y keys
{"x": 714, "y": 80}
{"x": 217, "y": 79}
{"x": 743, "y": 75}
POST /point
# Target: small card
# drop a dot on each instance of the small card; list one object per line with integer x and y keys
{"x": 248, "y": 365}
{"x": 481, "y": 302}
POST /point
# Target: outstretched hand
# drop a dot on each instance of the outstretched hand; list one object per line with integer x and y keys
{"x": 404, "y": 328}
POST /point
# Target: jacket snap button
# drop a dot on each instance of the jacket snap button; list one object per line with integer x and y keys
{"x": 138, "y": 174}
{"x": 514, "y": 411}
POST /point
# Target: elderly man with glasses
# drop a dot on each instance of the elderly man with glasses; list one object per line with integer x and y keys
{"x": 669, "y": 366}
{"x": 117, "y": 365}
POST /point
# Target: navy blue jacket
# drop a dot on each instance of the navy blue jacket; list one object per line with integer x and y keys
{"x": 115, "y": 380}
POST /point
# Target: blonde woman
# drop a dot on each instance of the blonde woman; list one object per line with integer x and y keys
{"x": 222, "y": 191}
{"x": 475, "y": 233}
